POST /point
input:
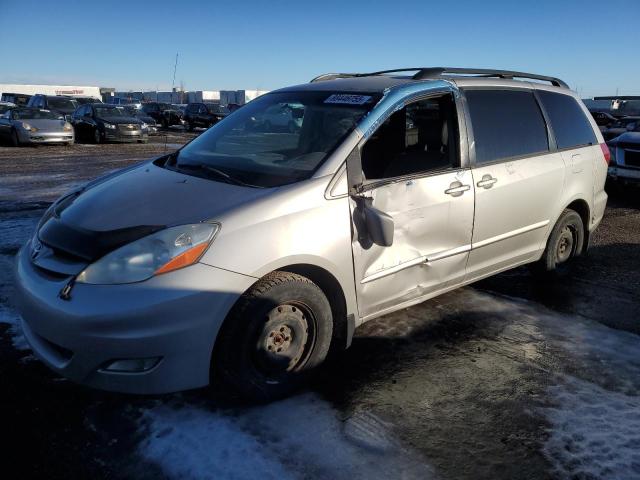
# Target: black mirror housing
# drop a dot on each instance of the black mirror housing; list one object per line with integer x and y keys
{"x": 379, "y": 226}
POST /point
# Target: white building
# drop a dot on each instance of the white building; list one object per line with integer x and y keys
{"x": 72, "y": 90}
{"x": 239, "y": 97}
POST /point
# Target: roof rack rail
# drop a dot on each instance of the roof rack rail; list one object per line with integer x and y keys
{"x": 333, "y": 76}
{"x": 423, "y": 73}
{"x": 435, "y": 72}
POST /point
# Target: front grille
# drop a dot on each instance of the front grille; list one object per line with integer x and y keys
{"x": 632, "y": 158}
{"x": 129, "y": 127}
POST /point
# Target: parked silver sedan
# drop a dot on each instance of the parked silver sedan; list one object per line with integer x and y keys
{"x": 33, "y": 125}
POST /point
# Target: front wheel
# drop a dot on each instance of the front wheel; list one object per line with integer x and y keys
{"x": 13, "y": 139}
{"x": 278, "y": 333}
{"x": 565, "y": 242}
{"x": 97, "y": 136}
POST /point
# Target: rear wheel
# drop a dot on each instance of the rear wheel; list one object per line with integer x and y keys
{"x": 274, "y": 338}
{"x": 565, "y": 242}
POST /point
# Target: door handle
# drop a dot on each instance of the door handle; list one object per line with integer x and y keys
{"x": 456, "y": 189}
{"x": 487, "y": 181}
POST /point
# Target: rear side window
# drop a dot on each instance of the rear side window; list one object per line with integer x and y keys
{"x": 569, "y": 123}
{"x": 506, "y": 124}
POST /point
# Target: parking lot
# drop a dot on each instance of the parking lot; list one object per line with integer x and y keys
{"x": 512, "y": 377}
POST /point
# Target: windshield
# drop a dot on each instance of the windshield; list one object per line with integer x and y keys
{"x": 61, "y": 103}
{"x": 277, "y": 139}
{"x": 84, "y": 100}
{"x": 110, "y": 112}
{"x": 626, "y": 107}
{"x": 34, "y": 113}
{"x": 218, "y": 109}
{"x": 130, "y": 110}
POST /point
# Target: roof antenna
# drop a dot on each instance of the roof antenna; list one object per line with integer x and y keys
{"x": 173, "y": 86}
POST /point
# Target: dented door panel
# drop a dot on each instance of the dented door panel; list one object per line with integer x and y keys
{"x": 432, "y": 236}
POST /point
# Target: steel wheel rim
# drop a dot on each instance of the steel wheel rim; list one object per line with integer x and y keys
{"x": 286, "y": 340}
{"x": 564, "y": 247}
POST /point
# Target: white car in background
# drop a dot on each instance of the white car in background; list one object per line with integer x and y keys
{"x": 27, "y": 125}
{"x": 281, "y": 117}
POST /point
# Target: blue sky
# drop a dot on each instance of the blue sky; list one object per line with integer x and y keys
{"x": 593, "y": 45}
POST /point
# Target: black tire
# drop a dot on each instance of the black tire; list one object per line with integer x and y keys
{"x": 14, "y": 141}
{"x": 190, "y": 126}
{"x": 266, "y": 126}
{"x": 274, "y": 338}
{"x": 165, "y": 123}
{"x": 565, "y": 242}
{"x": 97, "y": 136}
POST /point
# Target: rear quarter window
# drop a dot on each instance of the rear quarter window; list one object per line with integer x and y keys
{"x": 568, "y": 121}
{"x": 506, "y": 124}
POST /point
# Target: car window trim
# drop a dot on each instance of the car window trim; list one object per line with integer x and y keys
{"x": 551, "y": 139}
{"x": 563, "y": 149}
{"x": 374, "y": 183}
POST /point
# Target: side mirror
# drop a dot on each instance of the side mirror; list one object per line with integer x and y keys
{"x": 379, "y": 226}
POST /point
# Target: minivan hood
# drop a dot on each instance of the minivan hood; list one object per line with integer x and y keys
{"x": 123, "y": 207}
{"x": 152, "y": 195}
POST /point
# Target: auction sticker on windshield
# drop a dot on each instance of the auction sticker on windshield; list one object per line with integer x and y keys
{"x": 348, "y": 99}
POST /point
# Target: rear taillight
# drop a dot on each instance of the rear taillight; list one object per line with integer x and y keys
{"x": 606, "y": 152}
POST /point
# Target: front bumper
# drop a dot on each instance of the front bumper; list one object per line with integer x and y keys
{"x": 45, "y": 137}
{"x": 175, "y": 316}
{"x": 118, "y": 135}
{"x": 624, "y": 174}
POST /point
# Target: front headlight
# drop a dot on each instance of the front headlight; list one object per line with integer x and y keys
{"x": 67, "y": 127}
{"x": 28, "y": 127}
{"x": 161, "y": 252}
{"x": 144, "y": 126}
{"x": 110, "y": 126}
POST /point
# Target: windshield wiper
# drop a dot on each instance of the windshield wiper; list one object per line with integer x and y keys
{"x": 217, "y": 173}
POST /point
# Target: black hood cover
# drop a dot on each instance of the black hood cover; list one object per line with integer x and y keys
{"x": 86, "y": 244}
{"x": 124, "y": 206}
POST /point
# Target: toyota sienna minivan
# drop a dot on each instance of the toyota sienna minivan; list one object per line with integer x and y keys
{"x": 248, "y": 255}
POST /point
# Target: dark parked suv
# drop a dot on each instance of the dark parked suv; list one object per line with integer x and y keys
{"x": 164, "y": 114}
{"x": 204, "y": 115}
{"x": 63, "y": 105}
{"x": 99, "y": 122}
{"x": 20, "y": 99}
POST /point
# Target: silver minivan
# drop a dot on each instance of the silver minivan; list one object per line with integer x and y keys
{"x": 248, "y": 255}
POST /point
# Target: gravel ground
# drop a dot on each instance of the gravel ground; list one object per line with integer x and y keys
{"x": 512, "y": 377}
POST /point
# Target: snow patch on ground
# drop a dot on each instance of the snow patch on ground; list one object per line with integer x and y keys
{"x": 8, "y": 315}
{"x": 595, "y": 433}
{"x": 593, "y": 409}
{"x": 301, "y": 437}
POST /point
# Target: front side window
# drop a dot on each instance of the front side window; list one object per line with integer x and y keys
{"x": 569, "y": 123}
{"x": 277, "y": 139}
{"x": 420, "y": 138}
{"x": 506, "y": 124}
